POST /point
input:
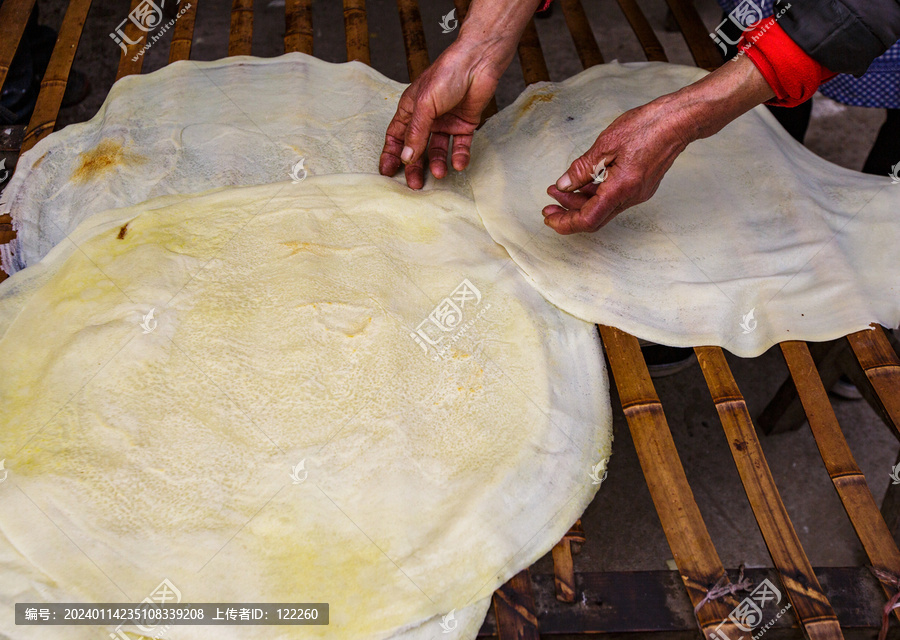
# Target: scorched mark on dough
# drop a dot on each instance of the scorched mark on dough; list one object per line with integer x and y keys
{"x": 105, "y": 156}
{"x": 123, "y": 231}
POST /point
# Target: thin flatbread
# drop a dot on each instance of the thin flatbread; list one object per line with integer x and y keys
{"x": 750, "y": 240}
{"x": 330, "y": 402}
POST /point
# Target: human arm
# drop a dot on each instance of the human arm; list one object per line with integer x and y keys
{"x": 641, "y": 144}
{"x": 448, "y": 98}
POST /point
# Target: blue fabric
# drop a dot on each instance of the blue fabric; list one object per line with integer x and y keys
{"x": 879, "y": 87}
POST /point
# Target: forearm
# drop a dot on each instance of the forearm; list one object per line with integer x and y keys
{"x": 706, "y": 106}
{"x": 492, "y": 28}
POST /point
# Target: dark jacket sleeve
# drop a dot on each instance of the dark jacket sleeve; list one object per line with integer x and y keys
{"x": 843, "y": 35}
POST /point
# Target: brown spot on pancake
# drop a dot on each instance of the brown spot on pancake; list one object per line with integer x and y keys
{"x": 38, "y": 162}
{"x": 105, "y": 156}
{"x": 537, "y": 97}
{"x": 123, "y": 231}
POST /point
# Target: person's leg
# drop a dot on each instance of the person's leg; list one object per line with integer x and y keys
{"x": 885, "y": 152}
{"x": 795, "y": 120}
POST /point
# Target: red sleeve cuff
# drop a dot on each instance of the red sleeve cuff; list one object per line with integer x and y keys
{"x": 544, "y": 5}
{"x": 793, "y": 75}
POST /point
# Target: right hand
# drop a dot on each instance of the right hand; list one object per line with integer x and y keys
{"x": 446, "y": 100}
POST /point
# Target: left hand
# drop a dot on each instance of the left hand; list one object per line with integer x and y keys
{"x": 637, "y": 148}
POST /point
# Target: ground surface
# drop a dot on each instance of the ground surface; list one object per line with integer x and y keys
{"x": 622, "y": 528}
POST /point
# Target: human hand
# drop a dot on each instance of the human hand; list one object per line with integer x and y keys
{"x": 637, "y": 149}
{"x": 446, "y": 100}
{"x": 641, "y": 144}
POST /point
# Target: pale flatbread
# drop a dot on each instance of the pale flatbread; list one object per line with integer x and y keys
{"x": 193, "y": 126}
{"x": 284, "y": 331}
{"x": 750, "y": 240}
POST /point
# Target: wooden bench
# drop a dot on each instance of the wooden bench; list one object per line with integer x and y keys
{"x": 825, "y": 603}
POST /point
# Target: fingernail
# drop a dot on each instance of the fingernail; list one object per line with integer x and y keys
{"x": 564, "y": 183}
{"x": 407, "y": 154}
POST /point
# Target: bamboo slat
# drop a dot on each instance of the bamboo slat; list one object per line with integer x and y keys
{"x": 693, "y": 550}
{"x": 13, "y": 18}
{"x": 696, "y": 35}
{"x": 803, "y": 588}
{"x": 413, "y": 38}
{"x": 534, "y": 67}
{"x": 298, "y": 30}
{"x": 240, "y": 38}
{"x": 848, "y": 480}
{"x": 582, "y": 35}
{"x": 647, "y": 605}
{"x": 514, "y": 609}
{"x": 563, "y": 563}
{"x": 183, "y": 34}
{"x": 356, "y": 27}
{"x": 649, "y": 42}
{"x": 127, "y": 66}
{"x": 882, "y": 366}
{"x": 53, "y": 85}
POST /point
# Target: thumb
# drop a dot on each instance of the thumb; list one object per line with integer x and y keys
{"x": 580, "y": 172}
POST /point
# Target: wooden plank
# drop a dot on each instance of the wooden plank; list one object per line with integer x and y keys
{"x": 413, "y": 38}
{"x": 802, "y": 587}
{"x": 356, "y": 28}
{"x": 13, "y": 18}
{"x": 514, "y": 609}
{"x": 183, "y": 34}
{"x": 531, "y": 57}
{"x": 653, "y": 604}
{"x": 582, "y": 35}
{"x": 298, "y": 30}
{"x": 53, "y": 85}
{"x": 649, "y": 42}
{"x": 846, "y": 476}
{"x": 693, "y": 550}
{"x": 240, "y": 37}
{"x": 882, "y": 366}
{"x": 704, "y": 51}
{"x": 133, "y": 34}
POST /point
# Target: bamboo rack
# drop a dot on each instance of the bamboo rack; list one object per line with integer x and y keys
{"x": 650, "y": 601}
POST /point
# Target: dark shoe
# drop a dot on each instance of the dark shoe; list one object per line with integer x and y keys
{"x": 845, "y": 389}
{"x": 77, "y": 89}
{"x": 665, "y": 361}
